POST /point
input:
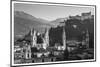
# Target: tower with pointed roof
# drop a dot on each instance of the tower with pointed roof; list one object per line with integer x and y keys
{"x": 64, "y": 38}
{"x": 34, "y": 38}
{"x": 46, "y": 39}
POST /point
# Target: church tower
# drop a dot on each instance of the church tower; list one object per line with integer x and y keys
{"x": 64, "y": 38}
{"x": 27, "y": 49}
{"x": 46, "y": 39}
{"x": 34, "y": 38}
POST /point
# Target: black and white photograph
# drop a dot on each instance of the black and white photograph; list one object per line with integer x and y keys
{"x": 50, "y": 33}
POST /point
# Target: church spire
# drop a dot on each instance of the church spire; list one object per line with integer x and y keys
{"x": 33, "y": 37}
{"x": 64, "y": 37}
{"x": 46, "y": 39}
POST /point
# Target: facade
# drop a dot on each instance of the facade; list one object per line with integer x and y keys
{"x": 38, "y": 46}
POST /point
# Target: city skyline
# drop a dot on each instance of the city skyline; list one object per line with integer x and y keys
{"x": 48, "y": 37}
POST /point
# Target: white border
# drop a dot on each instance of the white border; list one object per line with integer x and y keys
{"x": 54, "y": 5}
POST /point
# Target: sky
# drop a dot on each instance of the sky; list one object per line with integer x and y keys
{"x": 51, "y": 12}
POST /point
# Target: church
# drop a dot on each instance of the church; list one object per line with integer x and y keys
{"x": 36, "y": 45}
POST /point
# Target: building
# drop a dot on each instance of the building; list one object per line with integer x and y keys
{"x": 27, "y": 51}
{"x": 64, "y": 38}
{"x": 46, "y": 39}
{"x": 34, "y": 38}
{"x": 73, "y": 45}
{"x": 86, "y": 16}
{"x": 82, "y": 17}
{"x": 85, "y": 41}
{"x": 58, "y": 46}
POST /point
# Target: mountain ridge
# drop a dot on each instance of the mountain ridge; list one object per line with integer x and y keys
{"x": 23, "y": 22}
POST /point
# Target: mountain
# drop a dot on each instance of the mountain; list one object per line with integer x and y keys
{"x": 58, "y": 22}
{"x": 23, "y": 22}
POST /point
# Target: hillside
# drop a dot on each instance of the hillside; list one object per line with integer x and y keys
{"x": 23, "y": 22}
